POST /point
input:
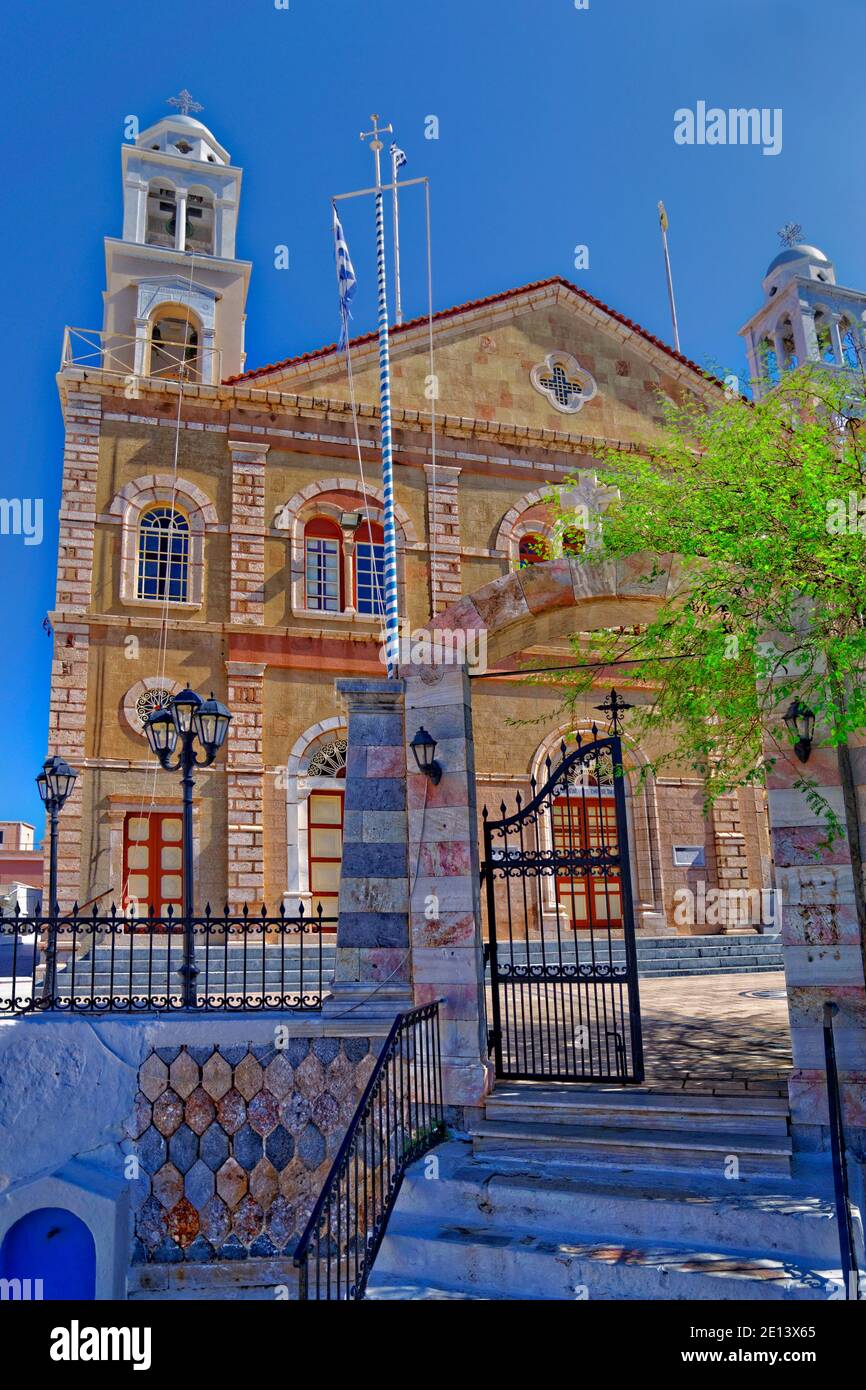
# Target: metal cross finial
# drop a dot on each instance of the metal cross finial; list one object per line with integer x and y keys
{"x": 375, "y": 143}
{"x": 790, "y": 234}
{"x": 613, "y": 707}
{"x": 185, "y": 103}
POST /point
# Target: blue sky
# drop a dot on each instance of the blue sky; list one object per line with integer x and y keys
{"x": 555, "y": 129}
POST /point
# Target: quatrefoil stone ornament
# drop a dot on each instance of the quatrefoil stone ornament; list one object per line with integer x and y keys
{"x": 567, "y": 385}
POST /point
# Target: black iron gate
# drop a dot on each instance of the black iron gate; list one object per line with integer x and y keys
{"x": 560, "y": 919}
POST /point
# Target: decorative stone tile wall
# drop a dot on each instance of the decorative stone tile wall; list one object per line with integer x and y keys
{"x": 234, "y": 1144}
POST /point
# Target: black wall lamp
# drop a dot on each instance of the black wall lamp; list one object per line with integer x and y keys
{"x": 423, "y": 745}
{"x": 801, "y": 726}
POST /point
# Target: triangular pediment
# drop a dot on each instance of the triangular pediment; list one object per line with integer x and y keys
{"x": 547, "y": 356}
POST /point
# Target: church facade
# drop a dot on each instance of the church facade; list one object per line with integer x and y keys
{"x": 221, "y": 527}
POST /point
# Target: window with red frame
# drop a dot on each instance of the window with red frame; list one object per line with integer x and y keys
{"x": 323, "y": 566}
{"x": 533, "y": 549}
{"x": 370, "y": 568}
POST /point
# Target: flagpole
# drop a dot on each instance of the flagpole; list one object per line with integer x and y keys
{"x": 663, "y": 223}
{"x": 398, "y": 304}
{"x": 392, "y": 616}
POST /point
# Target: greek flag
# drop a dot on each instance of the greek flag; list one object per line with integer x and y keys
{"x": 398, "y": 156}
{"x": 345, "y": 280}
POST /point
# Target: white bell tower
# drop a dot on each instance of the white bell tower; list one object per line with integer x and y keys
{"x": 176, "y": 294}
{"x": 805, "y": 317}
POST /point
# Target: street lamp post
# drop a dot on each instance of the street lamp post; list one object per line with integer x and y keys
{"x": 188, "y": 717}
{"x": 55, "y": 782}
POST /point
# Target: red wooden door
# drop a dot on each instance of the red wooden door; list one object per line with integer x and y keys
{"x": 153, "y": 862}
{"x": 325, "y": 835}
{"x": 593, "y": 898}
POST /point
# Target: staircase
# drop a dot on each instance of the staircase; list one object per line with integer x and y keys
{"x": 276, "y": 969}
{"x": 561, "y": 1192}
{"x": 665, "y": 957}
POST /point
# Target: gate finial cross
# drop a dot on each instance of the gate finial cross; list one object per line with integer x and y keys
{"x": 613, "y": 707}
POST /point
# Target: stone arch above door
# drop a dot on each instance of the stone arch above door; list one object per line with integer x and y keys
{"x": 541, "y": 603}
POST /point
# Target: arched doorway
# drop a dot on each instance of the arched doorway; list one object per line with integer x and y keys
{"x": 315, "y": 795}
{"x": 53, "y": 1246}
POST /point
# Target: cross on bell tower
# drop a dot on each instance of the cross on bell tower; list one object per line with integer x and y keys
{"x": 184, "y": 103}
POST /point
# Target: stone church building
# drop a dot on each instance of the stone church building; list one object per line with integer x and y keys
{"x": 217, "y": 530}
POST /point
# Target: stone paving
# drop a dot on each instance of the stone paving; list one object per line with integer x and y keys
{"x": 719, "y": 1034}
{"x": 722, "y": 1033}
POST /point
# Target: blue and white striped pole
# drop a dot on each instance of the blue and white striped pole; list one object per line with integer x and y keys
{"x": 392, "y": 614}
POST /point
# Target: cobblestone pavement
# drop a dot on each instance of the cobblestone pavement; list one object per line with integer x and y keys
{"x": 720, "y": 1033}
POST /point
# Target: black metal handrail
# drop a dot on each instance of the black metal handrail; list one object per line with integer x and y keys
{"x": 850, "y": 1275}
{"x": 122, "y": 963}
{"x": 399, "y": 1117}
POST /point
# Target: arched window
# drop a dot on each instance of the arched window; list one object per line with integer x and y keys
{"x": 788, "y": 342}
{"x": 200, "y": 222}
{"x": 323, "y": 566}
{"x": 174, "y": 345}
{"x": 161, "y": 215}
{"x": 768, "y": 361}
{"x": 533, "y": 549}
{"x": 370, "y": 568}
{"x": 163, "y": 555}
{"x": 824, "y": 335}
{"x": 851, "y": 350}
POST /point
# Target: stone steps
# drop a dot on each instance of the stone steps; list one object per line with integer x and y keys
{"x": 493, "y": 1230}
{"x": 519, "y": 1264}
{"x": 666, "y": 956}
{"x": 633, "y": 1127}
{"x": 556, "y": 1105}
{"x": 787, "y": 1216}
{"x": 624, "y": 1145}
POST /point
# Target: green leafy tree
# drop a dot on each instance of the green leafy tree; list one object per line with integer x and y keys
{"x": 759, "y": 509}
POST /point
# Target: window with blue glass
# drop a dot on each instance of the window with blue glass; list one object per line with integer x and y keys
{"x": 163, "y": 555}
{"x": 323, "y": 566}
{"x": 370, "y": 568}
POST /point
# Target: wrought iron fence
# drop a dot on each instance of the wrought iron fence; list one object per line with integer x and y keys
{"x": 399, "y": 1117}
{"x": 850, "y": 1274}
{"x": 122, "y": 963}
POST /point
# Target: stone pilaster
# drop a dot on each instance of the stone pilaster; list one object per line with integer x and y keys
{"x": 245, "y": 778}
{"x": 443, "y": 524}
{"x": 821, "y": 945}
{"x": 732, "y": 865}
{"x": 248, "y": 532}
{"x": 445, "y": 904}
{"x": 373, "y": 966}
{"x": 67, "y": 720}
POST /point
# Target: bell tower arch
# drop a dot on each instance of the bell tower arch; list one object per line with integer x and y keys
{"x": 175, "y": 292}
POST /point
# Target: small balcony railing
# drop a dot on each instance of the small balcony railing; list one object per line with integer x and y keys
{"x": 89, "y": 349}
{"x": 121, "y": 963}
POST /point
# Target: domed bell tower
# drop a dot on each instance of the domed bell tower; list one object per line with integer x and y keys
{"x": 805, "y": 317}
{"x": 176, "y": 293}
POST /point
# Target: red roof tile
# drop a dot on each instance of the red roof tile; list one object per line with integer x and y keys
{"x": 469, "y": 305}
